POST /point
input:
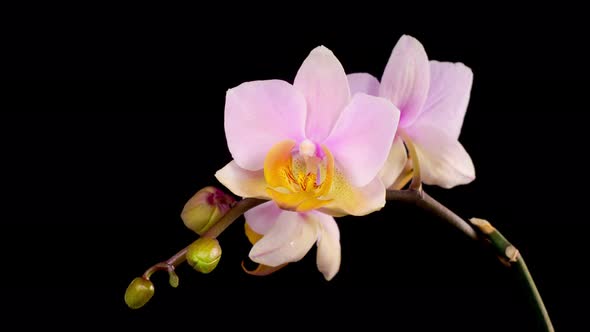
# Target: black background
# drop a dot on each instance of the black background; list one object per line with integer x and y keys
{"x": 95, "y": 173}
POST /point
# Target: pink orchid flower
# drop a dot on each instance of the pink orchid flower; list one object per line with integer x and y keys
{"x": 432, "y": 97}
{"x": 314, "y": 151}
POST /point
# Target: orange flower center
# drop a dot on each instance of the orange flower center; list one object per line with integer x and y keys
{"x": 298, "y": 181}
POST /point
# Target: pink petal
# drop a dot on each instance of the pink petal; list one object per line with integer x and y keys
{"x": 260, "y": 114}
{"x": 363, "y": 82}
{"x": 242, "y": 182}
{"x": 288, "y": 240}
{"x": 395, "y": 163}
{"x": 450, "y": 88}
{"x": 323, "y": 82}
{"x": 362, "y": 137}
{"x": 443, "y": 160}
{"x": 328, "y": 254}
{"x": 262, "y": 217}
{"x": 406, "y": 79}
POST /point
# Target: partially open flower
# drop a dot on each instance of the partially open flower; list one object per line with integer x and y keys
{"x": 138, "y": 293}
{"x": 205, "y": 208}
{"x": 204, "y": 254}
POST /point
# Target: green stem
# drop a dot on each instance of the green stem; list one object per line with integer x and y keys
{"x": 510, "y": 255}
{"x": 484, "y": 231}
{"x": 536, "y": 296}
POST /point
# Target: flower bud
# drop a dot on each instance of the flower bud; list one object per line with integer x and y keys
{"x": 205, "y": 208}
{"x": 139, "y": 292}
{"x": 204, "y": 254}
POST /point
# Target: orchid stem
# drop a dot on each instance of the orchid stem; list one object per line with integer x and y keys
{"x": 424, "y": 201}
{"x": 234, "y": 213}
{"x": 484, "y": 232}
{"x": 512, "y": 257}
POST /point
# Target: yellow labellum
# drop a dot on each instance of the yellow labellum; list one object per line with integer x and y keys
{"x": 298, "y": 184}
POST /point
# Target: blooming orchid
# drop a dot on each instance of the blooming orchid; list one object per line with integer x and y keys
{"x": 329, "y": 145}
{"x": 311, "y": 149}
{"x": 432, "y": 98}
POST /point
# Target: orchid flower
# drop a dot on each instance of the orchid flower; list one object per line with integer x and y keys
{"x": 311, "y": 149}
{"x": 432, "y": 98}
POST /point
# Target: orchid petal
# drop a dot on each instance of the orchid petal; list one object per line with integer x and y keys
{"x": 262, "y": 217}
{"x": 363, "y": 82}
{"x": 328, "y": 253}
{"x": 323, "y": 82}
{"x": 362, "y": 137}
{"x": 242, "y": 182}
{"x": 406, "y": 79}
{"x": 395, "y": 163}
{"x": 356, "y": 201}
{"x": 253, "y": 237}
{"x": 443, "y": 160}
{"x": 259, "y": 114}
{"x": 450, "y": 88}
{"x": 288, "y": 240}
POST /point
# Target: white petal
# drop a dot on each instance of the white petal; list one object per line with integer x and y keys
{"x": 329, "y": 253}
{"x": 443, "y": 160}
{"x": 242, "y": 182}
{"x": 288, "y": 240}
{"x": 262, "y": 217}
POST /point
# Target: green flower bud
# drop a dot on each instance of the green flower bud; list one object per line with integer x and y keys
{"x": 139, "y": 292}
{"x": 204, "y": 254}
{"x": 205, "y": 208}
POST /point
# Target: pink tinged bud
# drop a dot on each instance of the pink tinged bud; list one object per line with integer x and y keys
{"x": 205, "y": 208}
{"x": 139, "y": 292}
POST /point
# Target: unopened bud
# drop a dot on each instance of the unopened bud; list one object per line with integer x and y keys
{"x": 139, "y": 292}
{"x": 204, "y": 254}
{"x": 205, "y": 208}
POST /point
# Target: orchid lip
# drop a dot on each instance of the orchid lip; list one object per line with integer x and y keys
{"x": 298, "y": 180}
